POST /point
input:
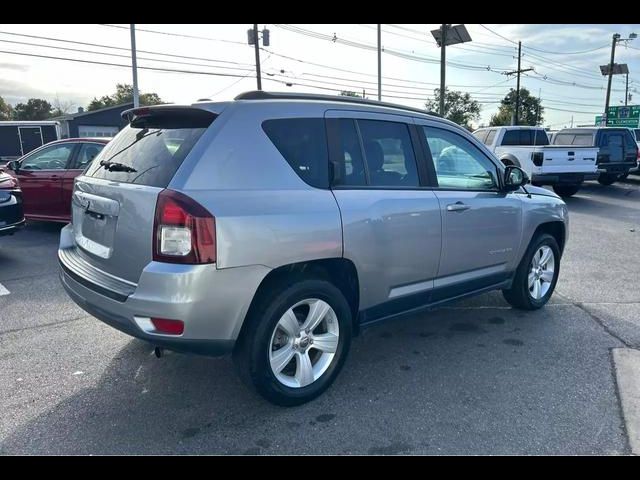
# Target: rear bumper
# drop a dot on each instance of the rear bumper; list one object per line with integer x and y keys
{"x": 562, "y": 178}
{"x": 616, "y": 168}
{"x": 212, "y": 303}
{"x": 11, "y": 229}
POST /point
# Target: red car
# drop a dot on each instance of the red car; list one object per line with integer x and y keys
{"x": 46, "y": 176}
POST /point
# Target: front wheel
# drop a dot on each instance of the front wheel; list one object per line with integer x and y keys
{"x": 536, "y": 275}
{"x": 566, "y": 190}
{"x": 607, "y": 179}
{"x": 296, "y": 342}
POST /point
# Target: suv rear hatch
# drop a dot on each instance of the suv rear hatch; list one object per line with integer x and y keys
{"x": 114, "y": 201}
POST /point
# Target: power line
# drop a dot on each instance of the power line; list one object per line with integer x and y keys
{"x": 195, "y": 37}
{"x": 497, "y": 34}
{"x": 113, "y": 47}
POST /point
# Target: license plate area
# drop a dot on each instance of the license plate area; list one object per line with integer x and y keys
{"x": 94, "y": 223}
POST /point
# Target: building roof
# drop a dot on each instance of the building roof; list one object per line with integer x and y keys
{"x": 71, "y": 116}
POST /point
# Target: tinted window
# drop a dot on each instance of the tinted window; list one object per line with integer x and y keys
{"x": 88, "y": 151}
{"x": 481, "y": 135}
{"x": 563, "y": 139}
{"x": 458, "y": 163}
{"x": 350, "y": 165}
{"x": 153, "y": 147}
{"x": 637, "y": 132}
{"x": 491, "y": 137}
{"x": 49, "y": 158}
{"x": 303, "y": 144}
{"x": 512, "y": 137}
{"x": 582, "y": 139}
{"x": 541, "y": 138}
{"x": 388, "y": 153}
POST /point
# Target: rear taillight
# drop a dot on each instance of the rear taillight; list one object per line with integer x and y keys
{"x": 537, "y": 158}
{"x": 184, "y": 231}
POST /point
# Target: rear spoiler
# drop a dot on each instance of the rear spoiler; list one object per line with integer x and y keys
{"x": 169, "y": 116}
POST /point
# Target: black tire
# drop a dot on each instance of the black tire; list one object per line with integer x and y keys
{"x": 518, "y": 295}
{"x": 251, "y": 355}
{"x": 607, "y": 179}
{"x": 566, "y": 190}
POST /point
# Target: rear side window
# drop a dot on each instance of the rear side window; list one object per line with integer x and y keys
{"x": 303, "y": 144}
{"x": 630, "y": 140}
{"x": 350, "y": 164}
{"x": 491, "y": 137}
{"x": 481, "y": 135}
{"x": 150, "y": 150}
{"x": 637, "y": 133}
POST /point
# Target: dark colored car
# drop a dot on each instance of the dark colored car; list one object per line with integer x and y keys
{"x": 11, "y": 216}
{"x": 47, "y": 173}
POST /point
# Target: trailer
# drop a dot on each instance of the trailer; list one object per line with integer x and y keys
{"x": 18, "y": 138}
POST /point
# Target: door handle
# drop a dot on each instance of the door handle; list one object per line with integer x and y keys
{"x": 457, "y": 207}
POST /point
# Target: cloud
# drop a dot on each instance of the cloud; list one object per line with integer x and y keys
{"x": 14, "y": 66}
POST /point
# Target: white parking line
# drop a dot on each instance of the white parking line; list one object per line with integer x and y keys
{"x": 3, "y": 291}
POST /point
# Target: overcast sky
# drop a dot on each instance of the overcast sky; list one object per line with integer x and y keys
{"x": 322, "y": 59}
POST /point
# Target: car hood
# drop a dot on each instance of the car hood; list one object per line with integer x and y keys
{"x": 533, "y": 190}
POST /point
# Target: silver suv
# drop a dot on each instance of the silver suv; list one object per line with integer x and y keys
{"x": 276, "y": 226}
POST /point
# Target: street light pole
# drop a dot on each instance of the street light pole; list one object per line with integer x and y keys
{"x": 616, "y": 37}
{"x": 443, "y": 66}
{"x": 134, "y": 66}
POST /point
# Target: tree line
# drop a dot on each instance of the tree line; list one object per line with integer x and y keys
{"x": 41, "y": 109}
{"x": 461, "y": 108}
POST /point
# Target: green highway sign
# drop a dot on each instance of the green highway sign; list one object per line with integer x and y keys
{"x": 622, "y": 116}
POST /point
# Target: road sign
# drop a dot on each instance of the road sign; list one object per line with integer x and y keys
{"x": 622, "y": 116}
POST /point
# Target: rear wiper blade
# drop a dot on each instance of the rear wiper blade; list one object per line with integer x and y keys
{"x": 116, "y": 167}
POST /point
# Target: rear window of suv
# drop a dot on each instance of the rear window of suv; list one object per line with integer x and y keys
{"x": 151, "y": 149}
{"x": 303, "y": 144}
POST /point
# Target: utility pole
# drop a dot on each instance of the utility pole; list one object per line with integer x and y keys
{"x": 626, "y": 90}
{"x": 518, "y": 72}
{"x": 257, "y": 45}
{"x": 616, "y": 37}
{"x": 379, "y": 63}
{"x": 443, "y": 66}
{"x": 134, "y": 66}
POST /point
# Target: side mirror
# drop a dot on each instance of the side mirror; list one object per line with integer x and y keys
{"x": 13, "y": 165}
{"x": 514, "y": 178}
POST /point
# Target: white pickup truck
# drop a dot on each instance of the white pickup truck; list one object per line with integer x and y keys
{"x": 562, "y": 167}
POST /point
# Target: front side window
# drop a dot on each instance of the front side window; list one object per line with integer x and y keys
{"x": 458, "y": 163}
{"x": 50, "y": 158}
{"x": 389, "y": 154}
{"x": 303, "y": 144}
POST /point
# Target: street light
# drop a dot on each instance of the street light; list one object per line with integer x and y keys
{"x": 448, "y": 35}
{"x": 610, "y": 70}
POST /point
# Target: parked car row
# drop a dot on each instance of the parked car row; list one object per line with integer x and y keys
{"x": 569, "y": 157}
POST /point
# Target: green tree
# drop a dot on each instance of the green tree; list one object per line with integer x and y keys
{"x": 459, "y": 107}
{"x": 6, "y": 110}
{"x": 123, "y": 94}
{"x": 530, "y": 113}
{"x": 34, "y": 109}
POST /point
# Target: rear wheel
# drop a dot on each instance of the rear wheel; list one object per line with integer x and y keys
{"x": 296, "y": 342}
{"x": 566, "y": 190}
{"x": 607, "y": 178}
{"x": 536, "y": 275}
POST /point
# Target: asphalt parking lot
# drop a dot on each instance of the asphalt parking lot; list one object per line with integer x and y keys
{"x": 473, "y": 378}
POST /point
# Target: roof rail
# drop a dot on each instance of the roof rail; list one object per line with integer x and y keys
{"x": 262, "y": 95}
